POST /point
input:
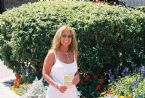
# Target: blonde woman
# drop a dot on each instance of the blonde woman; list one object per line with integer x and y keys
{"x": 60, "y": 65}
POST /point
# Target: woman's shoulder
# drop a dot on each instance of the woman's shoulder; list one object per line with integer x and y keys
{"x": 76, "y": 53}
{"x": 50, "y": 58}
{"x": 51, "y": 53}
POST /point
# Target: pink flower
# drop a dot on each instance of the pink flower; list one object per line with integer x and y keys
{"x": 87, "y": 77}
{"x": 95, "y": 77}
{"x": 101, "y": 80}
{"x": 109, "y": 91}
{"x": 98, "y": 87}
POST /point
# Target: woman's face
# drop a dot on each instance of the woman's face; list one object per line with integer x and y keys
{"x": 66, "y": 38}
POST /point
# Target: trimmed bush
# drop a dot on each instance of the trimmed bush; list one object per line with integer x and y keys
{"x": 108, "y": 37}
{"x": 141, "y": 8}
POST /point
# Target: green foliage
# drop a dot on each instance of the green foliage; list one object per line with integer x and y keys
{"x": 141, "y": 8}
{"x": 139, "y": 92}
{"x": 35, "y": 90}
{"x": 21, "y": 89}
{"x": 108, "y": 36}
{"x": 123, "y": 86}
{"x": 129, "y": 85}
{"x": 28, "y": 78}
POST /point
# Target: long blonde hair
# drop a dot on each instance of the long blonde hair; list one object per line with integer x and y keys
{"x": 56, "y": 40}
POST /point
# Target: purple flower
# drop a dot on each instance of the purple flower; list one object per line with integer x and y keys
{"x": 111, "y": 76}
{"x": 125, "y": 72}
{"x": 135, "y": 84}
{"x": 142, "y": 71}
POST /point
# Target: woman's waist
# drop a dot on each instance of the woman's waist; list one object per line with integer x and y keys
{"x": 71, "y": 88}
{"x": 62, "y": 78}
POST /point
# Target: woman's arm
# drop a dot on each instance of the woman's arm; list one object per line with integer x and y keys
{"x": 76, "y": 79}
{"x": 47, "y": 65}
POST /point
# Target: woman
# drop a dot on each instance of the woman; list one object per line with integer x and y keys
{"x": 60, "y": 66}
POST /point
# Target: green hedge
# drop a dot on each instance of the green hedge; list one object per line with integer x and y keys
{"x": 108, "y": 36}
{"x": 141, "y": 8}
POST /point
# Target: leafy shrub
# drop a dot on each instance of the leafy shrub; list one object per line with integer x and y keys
{"x": 28, "y": 78}
{"x": 108, "y": 36}
{"x": 141, "y": 8}
{"x": 35, "y": 90}
{"x": 139, "y": 92}
{"x": 21, "y": 90}
{"x": 129, "y": 85}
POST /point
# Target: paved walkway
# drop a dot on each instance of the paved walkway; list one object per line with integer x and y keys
{"x": 6, "y": 77}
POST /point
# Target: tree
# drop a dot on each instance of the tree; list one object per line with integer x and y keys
{"x": 2, "y": 8}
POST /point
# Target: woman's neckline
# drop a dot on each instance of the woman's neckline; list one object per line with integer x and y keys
{"x": 64, "y": 62}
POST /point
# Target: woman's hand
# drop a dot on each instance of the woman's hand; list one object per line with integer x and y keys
{"x": 76, "y": 79}
{"x": 61, "y": 88}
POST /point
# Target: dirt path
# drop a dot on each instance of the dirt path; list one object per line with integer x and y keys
{"x": 6, "y": 76}
{"x": 5, "y": 73}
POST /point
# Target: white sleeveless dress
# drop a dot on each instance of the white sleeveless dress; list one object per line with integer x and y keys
{"x": 58, "y": 71}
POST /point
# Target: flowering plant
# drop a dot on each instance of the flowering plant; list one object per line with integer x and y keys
{"x": 129, "y": 86}
{"x": 91, "y": 85}
{"x": 36, "y": 90}
{"x": 21, "y": 89}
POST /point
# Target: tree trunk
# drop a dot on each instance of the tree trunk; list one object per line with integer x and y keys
{"x": 2, "y": 8}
